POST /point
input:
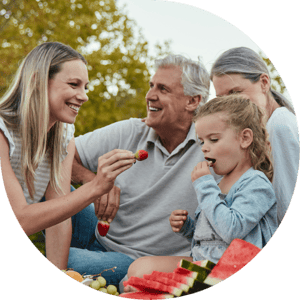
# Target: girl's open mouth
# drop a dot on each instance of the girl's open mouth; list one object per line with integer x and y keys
{"x": 211, "y": 161}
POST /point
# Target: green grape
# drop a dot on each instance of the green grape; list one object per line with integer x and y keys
{"x": 116, "y": 294}
{"x": 95, "y": 284}
{"x": 104, "y": 290}
{"x": 102, "y": 281}
{"x": 111, "y": 289}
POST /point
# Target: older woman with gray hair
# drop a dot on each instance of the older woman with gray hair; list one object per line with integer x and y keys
{"x": 241, "y": 70}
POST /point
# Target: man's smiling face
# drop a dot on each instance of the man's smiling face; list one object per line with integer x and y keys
{"x": 166, "y": 101}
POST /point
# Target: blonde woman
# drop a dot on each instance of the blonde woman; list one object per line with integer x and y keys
{"x": 37, "y": 146}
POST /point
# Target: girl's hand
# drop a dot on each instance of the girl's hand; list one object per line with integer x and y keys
{"x": 110, "y": 165}
{"x": 177, "y": 219}
{"x": 200, "y": 170}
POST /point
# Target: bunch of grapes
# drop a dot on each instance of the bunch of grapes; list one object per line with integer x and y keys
{"x": 100, "y": 284}
{"x": 96, "y": 282}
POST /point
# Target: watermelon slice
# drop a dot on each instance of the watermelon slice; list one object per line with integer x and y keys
{"x": 177, "y": 277}
{"x": 150, "y": 286}
{"x": 198, "y": 286}
{"x": 145, "y": 295}
{"x": 205, "y": 264}
{"x": 235, "y": 257}
{"x": 185, "y": 272}
{"x": 202, "y": 272}
{"x": 167, "y": 281}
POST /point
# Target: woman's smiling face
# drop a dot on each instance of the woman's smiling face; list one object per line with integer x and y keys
{"x": 67, "y": 92}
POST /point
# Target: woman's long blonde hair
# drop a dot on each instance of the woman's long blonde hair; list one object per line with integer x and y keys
{"x": 25, "y": 108}
{"x": 241, "y": 113}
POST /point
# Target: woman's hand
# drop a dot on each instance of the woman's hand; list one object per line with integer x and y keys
{"x": 110, "y": 165}
{"x": 200, "y": 170}
{"x": 177, "y": 219}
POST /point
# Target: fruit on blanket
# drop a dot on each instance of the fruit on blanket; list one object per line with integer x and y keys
{"x": 205, "y": 264}
{"x": 103, "y": 290}
{"x": 102, "y": 281}
{"x": 177, "y": 277}
{"x": 150, "y": 286}
{"x": 145, "y": 295}
{"x": 103, "y": 227}
{"x": 202, "y": 272}
{"x": 111, "y": 289}
{"x": 192, "y": 266}
{"x": 87, "y": 281}
{"x": 75, "y": 275}
{"x": 167, "y": 281}
{"x": 235, "y": 257}
{"x": 141, "y": 155}
{"x": 185, "y": 272}
{"x": 95, "y": 284}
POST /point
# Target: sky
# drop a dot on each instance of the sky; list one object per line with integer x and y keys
{"x": 193, "y": 32}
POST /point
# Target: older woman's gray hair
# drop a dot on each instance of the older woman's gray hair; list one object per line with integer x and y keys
{"x": 195, "y": 78}
{"x": 249, "y": 65}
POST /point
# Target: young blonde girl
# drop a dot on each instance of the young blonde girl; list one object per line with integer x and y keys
{"x": 242, "y": 70}
{"x": 37, "y": 146}
{"x": 242, "y": 205}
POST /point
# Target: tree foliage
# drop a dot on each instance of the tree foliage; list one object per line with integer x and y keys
{"x": 117, "y": 53}
{"x": 277, "y": 82}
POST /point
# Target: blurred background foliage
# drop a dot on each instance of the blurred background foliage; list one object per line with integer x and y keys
{"x": 116, "y": 51}
{"x": 277, "y": 82}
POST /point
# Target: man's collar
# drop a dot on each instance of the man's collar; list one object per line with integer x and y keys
{"x": 192, "y": 133}
{"x": 153, "y": 136}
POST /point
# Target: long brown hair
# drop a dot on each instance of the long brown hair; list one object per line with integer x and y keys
{"x": 25, "y": 108}
{"x": 241, "y": 113}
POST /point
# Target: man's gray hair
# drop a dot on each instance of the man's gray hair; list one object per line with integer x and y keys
{"x": 195, "y": 78}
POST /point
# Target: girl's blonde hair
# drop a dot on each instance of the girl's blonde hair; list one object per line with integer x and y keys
{"x": 25, "y": 108}
{"x": 241, "y": 113}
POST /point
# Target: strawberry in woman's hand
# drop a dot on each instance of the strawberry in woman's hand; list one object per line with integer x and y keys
{"x": 103, "y": 227}
{"x": 141, "y": 155}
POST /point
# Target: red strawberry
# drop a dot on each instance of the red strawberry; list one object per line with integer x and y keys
{"x": 103, "y": 227}
{"x": 141, "y": 154}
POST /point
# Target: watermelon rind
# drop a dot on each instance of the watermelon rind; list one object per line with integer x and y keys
{"x": 212, "y": 281}
{"x": 205, "y": 264}
{"x": 202, "y": 272}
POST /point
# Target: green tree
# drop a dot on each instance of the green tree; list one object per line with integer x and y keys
{"x": 117, "y": 53}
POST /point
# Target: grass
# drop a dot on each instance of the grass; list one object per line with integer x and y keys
{"x": 38, "y": 240}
